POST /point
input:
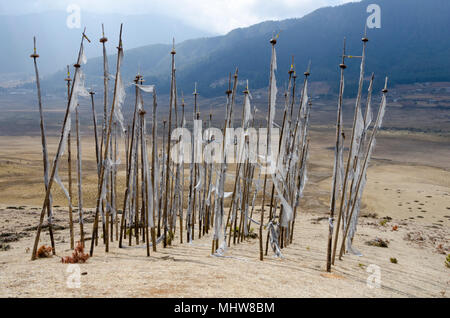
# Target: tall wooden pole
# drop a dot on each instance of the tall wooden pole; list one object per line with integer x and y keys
{"x": 350, "y": 157}
{"x": 145, "y": 183}
{"x": 334, "y": 194}
{"x": 94, "y": 119}
{"x": 219, "y": 205}
{"x": 365, "y": 164}
{"x": 165, "y": 212}
{"x": 79, "y": 176}
{"x": 105, "y": 155}
{"x": 57, "y": 157}
{"x": 273, "y": 42}
{"x": 162, "y": 179}
{"x": 155, "y": 165}
{"x": 182, "y": 175}
{"x": 103, "y": 40}
{"x": 69, "y": 165}
{"x": 114, "y": 189}
{"x": 35, "y": 56}
{"x": 131, "y": 151}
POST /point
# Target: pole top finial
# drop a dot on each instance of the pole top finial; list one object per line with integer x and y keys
{"x": 68, "y": 79}
{"x": 173, "y": 52}
{"x": 195, "y": 93}
{"x": 365, "y": 39}
{"x": 246, "y": 91}
{"x": 229, "y": 91}
{"x": 292, "y": 69}
{"x": 34, "y": 55}
{"x": 342, "y": 65}
{"x": 385, "y": 90}
{"x": 104, "y": 38}
{"x": 308, "y": 70}
{"x": 274, "y": 39}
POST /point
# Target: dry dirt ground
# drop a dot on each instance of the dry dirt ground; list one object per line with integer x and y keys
{"x": 408, "y": 188}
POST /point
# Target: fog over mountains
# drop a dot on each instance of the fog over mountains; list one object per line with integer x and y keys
{"x": 411, "y": 46}
{"x": 58, "y": 44}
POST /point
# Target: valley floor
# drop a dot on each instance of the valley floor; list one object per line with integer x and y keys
{"x": 411, "y": 188}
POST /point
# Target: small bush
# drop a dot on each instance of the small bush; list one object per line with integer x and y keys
{"x": 394, "y": 260}
{"x": 4, "y": 247}
{"x": 447, "y": 261}
{"x": 44, "y": 252}
{"x": 378, "y": 243}
{"x": 77, "y": 257}
{"x": 252, "y": 234}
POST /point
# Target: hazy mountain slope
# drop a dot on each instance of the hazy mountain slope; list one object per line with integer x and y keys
{"x": 411, "y": 46}
{"x": 57, "y": 44}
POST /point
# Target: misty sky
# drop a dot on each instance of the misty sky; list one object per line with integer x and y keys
{"x": 217, "y": 16}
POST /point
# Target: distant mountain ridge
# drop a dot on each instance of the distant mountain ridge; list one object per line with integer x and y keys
{"x": 57, "y": 44}
{"x": 411, "y": 46}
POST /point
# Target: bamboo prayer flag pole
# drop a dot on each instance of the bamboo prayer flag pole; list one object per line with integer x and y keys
{"x": 196, "y": 116}
{"x": 358, "y": 141}
{"x": 114, "y": 187}
{"x": 103, "y": 41}
{"x": 358, "y": 157}
{"x": 182, "y": 174}
{"x": 69, "y": 166}
{"x": 283, "y": 127}
{"x": 350, "y": 157}
{"x": 79, "y": 176}
{"x": 175, "y": 181}
{"x": 35, "y": 56}
{"x": 131, "y": 164}
{"x": 136, "y": 176}
{"x": 57, "y": 157}
{"x": 377, "y": 126}
{"x": 155, "y": 164}
{"x": 145, "y": 184}
{"x": 163, "y": 178}
{"x": 143, "y": 187}
{"x": 223, "y": 165}
{"x": 94, "y": 119}
{"x": 105, "y": 155}
{"x": 237, "y": 181}
{"x": 273, "y": 42}
{"x": 299, "y": 175}
{"x": 339, "y": 140}
{"x": 299, "y": 185}
{"x": 165, "y": 212}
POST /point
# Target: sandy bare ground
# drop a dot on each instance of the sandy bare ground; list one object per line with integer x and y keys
{"x": 412, "y": 189}
{"x": 189, "y": 270}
